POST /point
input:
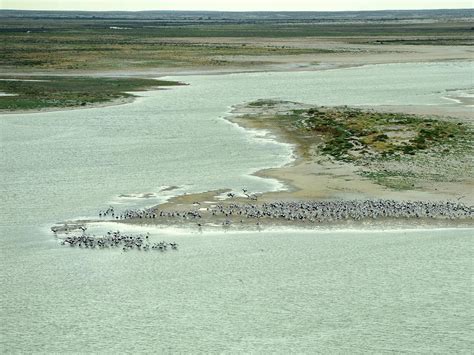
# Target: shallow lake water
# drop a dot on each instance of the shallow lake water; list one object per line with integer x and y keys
{"x": 273, "y": 291}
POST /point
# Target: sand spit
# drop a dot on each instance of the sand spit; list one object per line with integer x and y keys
{"x": 245, "y": 212}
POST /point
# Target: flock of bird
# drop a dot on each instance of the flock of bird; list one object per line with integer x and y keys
{"x": 117, "y": 240}
{"x": 306, "y": 211}
{"x": 329, "y": 211}
{"x": 284, "y": 211}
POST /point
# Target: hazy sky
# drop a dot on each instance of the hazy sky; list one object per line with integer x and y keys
{"x": 233, "y": 5}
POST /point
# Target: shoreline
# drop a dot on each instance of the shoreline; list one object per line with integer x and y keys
{"x": 155, "y": 76}
{"x": 288, "y": 66}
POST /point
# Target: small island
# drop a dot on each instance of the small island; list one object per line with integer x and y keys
{"x": 352, "y": 168}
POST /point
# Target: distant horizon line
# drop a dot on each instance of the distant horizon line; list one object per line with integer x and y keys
{"x": 247, "y": 11}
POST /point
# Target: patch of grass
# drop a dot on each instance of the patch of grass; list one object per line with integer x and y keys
{"x": 351, "y": 134}
{"x": 51, "y": 92}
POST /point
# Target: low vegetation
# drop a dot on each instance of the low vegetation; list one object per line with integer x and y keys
{"x": 115, "y": 41}
{"x": 351, "y": 134}
{"x": 108, "y": 50}
{"x": 392, "y": 149}
{"x": 33, "y": 93}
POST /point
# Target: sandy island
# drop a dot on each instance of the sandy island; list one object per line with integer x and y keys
{"x": 318, "y": 178}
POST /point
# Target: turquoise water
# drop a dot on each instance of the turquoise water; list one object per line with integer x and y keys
{"x": 273, "y": 291}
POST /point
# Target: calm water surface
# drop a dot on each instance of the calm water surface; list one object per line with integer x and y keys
{"x": 273, "y": 291}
